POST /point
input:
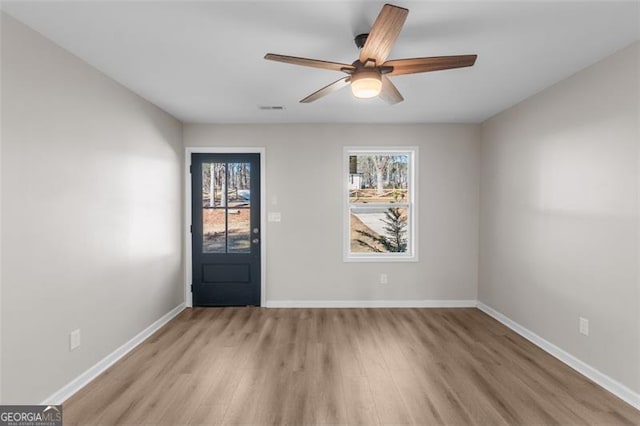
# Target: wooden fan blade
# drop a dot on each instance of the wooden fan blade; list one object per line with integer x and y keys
{"x": 336, "y": 85}
{"x": 389, "y": 92}
{"x": 314, "y": 63}
{"x": 383, "y": 34}
{"x": 435, "y": 63}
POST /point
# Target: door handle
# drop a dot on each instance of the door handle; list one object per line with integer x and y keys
{"x": 255, "y": 240}
{"x": 256, "y": 230}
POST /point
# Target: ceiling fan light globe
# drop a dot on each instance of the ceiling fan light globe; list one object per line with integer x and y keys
{"x": 366, "y": 84}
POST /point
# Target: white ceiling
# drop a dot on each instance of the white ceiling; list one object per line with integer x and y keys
{"x": 203, "y": 61}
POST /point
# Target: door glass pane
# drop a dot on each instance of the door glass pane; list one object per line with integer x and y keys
{"x": 213, "y": 184}
{"x": 378, "y": 178}
{"x": 378, "y": 230}
{"x": 238, "y": 189}
{"x": 213, "y": 230}
{"x": 239, "y": 230}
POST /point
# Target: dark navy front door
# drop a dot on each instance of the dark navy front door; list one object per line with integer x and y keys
{"x": 226, "y": 229}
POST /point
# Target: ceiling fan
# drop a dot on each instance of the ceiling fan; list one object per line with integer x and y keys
{"x": 369, "y": 74}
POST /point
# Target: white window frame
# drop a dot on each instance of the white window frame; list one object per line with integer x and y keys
{"x": 412, "y": 227}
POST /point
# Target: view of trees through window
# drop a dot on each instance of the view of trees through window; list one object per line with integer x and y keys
{"x": 226, "y": 198}
{"x": 379, "y": 204}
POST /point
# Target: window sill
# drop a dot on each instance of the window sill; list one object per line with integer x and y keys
{"x": 379, "y": 259}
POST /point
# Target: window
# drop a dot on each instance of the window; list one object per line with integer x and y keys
{"x": 379, "y": 200}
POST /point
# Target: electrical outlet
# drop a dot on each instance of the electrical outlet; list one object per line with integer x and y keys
{"x": 384, "y": 279}
{"x": 584, "y": 326}
{"x": 74, "y": 339}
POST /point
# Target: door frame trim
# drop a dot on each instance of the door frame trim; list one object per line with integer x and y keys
{"x": 262, "y": 151}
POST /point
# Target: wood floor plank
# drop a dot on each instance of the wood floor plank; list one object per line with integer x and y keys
{"x": 361, "y": 409}
{"x": 232, "y": 366}
{"x": 207, "y": 414}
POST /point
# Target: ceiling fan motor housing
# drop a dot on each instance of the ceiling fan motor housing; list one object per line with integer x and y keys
{"x": 361, "y": 39}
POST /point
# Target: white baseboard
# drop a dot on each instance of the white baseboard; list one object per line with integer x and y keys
{"x": 371, "y": 304}
{"x": 613, "y": 386}
{"x": 82, "y": 380}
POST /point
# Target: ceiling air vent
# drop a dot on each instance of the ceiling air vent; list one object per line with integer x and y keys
{"x": 271, "y": 107}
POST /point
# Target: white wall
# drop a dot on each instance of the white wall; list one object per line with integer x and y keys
{"x": 304, "y": 173}
{"x": 559, "y": 215}
{"x": 1, "y": 327}
{"x": 91, "y": 202}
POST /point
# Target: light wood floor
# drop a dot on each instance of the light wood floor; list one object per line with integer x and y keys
{"x": 342, "y": 366}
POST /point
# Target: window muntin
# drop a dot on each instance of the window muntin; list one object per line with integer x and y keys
{"x": 379, "y": 204}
